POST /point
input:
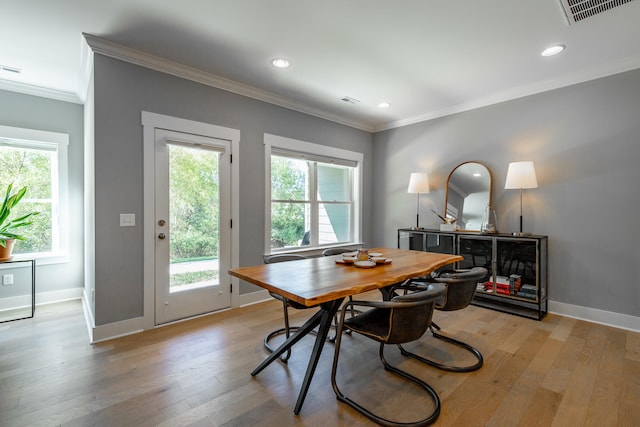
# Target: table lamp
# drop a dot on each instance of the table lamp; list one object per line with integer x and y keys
{"x": 521, "y": 175}
{"x": 418, "y": 183}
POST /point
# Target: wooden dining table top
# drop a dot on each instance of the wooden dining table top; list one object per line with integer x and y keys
{"x": 313, "y": 281}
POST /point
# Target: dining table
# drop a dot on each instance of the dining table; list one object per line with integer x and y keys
{"x": 325, "y": 282}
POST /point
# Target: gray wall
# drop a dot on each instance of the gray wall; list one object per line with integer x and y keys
{"x": 585, "y": 143}
{"x": 122, "y": 91}
{"x": 32, "y": 112}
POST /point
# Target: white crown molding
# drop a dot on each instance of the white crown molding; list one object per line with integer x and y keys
{"x": 143, "y": 59}
{"x": 593, "y": 73}
{"x": 86, "y": 69}
{"x": 12, "y": 86}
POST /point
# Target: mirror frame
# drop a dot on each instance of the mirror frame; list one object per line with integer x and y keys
{"x": 446, "y": 199}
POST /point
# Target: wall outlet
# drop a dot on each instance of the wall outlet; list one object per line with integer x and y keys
{"x": 7, "y": 279}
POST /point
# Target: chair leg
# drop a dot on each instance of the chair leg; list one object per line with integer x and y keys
{"x": 286, "y": 331}
{"x": 347, "y": 331}
{"x": 450, "y": 368}
{"x": 376, "y": 418}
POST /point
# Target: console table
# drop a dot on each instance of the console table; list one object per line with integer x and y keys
{"x": 517, "y": 265}
{"x": 15, "y": 264}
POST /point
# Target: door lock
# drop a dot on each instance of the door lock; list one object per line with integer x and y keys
{"x": 162, "y": 236}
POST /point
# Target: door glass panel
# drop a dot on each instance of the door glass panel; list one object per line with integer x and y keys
{"x": 194, "y": 221}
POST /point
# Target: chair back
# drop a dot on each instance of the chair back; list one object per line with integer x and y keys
{"x": 411, "y": 316}
{"x": 403, "y": 319}
{"x": 461, "y": 286}
{"x": 272, "y": 259}
{"x": 336, "y": 251}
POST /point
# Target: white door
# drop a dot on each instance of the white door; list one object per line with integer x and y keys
{"x": 192, "y": 223}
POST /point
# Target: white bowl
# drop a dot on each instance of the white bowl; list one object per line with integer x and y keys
{"x": 364, "y": 264}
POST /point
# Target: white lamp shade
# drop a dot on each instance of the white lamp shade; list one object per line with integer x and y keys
{"x": 418, "y": 183}
{"x": 521, "y": 175}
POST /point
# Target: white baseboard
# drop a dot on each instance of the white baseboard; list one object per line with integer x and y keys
{"x": 110, "y": 330}
{"x": 136, "y": 325}
{"x": 22, "y": 301}
{"x": 253, "y": 298}
{"x": 116, "y": 329}
{"x": 608, "y": 318}
{"x": 88, "y": 314}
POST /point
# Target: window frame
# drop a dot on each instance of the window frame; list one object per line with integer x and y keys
{"x": 32, "y": 138}
{"x": 278, "y": 145}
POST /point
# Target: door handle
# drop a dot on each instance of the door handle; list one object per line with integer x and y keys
{"x": 162, "y": 236}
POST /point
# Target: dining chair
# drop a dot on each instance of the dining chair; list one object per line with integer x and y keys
{"x": 286, "y": 303}
{"x": 338, "y": 251}
{"x": 460, "y": 288}
{"x": 402, "y": 319}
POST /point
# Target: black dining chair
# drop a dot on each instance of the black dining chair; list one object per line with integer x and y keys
{"x": 286, "y": 303}
{"x": 460, "y": 288}
{"x": 402, "y": 319}
{"x": 338, "y": 251}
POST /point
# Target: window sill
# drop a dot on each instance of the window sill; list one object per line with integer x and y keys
{"x": 44, "y": 258}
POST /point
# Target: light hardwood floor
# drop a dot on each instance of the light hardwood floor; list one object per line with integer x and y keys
{"x": 558, "y": 372}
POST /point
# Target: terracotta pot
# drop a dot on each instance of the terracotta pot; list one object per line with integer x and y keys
{"x": 5, "y": 253}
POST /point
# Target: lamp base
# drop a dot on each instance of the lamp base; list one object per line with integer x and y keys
{"x": 520, "y": 233}
{"x": 415, "y": 227}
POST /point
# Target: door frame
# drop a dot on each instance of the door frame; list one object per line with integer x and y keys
{"x": 150, "y": 122}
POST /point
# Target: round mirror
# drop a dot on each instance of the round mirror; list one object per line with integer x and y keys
{"x": 468, "y": 194}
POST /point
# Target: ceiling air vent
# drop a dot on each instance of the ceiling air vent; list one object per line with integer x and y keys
{"x": 10, "y": 70}
{"x": 577, "y": 10}
{"x": 349, "y": 100}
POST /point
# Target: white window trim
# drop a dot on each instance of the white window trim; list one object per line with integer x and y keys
{"x": 61, "y": 140}
{"x": 276, "y": 142}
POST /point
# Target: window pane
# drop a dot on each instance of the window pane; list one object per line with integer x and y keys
{"x": 37, "y": 236}
{"x": 334, "y": 183}
{"x": 30, "y": 167}
{"x": 289, "y": 179}
{"x": 334, "y": 220}
{"x": 288, "y": 224}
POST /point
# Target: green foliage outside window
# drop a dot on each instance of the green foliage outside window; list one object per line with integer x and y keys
{"x": 194, "y": 203}
{"x": 31, "y": 168}
{"x": 288, "y": 182}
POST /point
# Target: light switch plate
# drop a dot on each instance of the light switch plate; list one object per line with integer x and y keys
{"x": 127, "y": 220}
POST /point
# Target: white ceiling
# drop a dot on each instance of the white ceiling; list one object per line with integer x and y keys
{"x": 427, "y": 58}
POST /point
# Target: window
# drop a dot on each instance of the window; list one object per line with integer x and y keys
{"x": 38, "y": 160}
{"x": 313, "y": 195}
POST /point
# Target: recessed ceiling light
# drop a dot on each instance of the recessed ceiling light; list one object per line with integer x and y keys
{"x": 384, "y": 105}
{"x": 280, "y": 63}
{"x": 553, "y": 50}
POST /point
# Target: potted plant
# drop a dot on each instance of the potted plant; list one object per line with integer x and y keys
{"x": 8, "y": 225}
